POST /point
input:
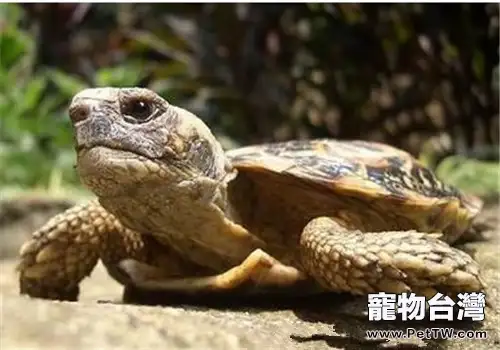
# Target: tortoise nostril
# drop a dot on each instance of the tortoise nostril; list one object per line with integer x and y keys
{"x": 79, "y": 113}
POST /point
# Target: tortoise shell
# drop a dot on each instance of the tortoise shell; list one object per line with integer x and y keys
{"x": 376, "y": 175}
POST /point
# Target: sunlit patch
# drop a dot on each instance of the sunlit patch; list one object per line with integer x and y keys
{"x": 321, "y": 148}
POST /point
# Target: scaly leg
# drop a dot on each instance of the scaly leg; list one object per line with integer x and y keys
{"x": 66, "y": 249}
{"x": 352, "y": 261}
{"x": 258, "y": 269}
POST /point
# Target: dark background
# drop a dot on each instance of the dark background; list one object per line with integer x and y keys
{"x": 406, "y": 74}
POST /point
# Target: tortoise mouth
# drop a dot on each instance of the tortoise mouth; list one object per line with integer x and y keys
{"x": 111, "y": 148}
{"x": 118, "y": 153}
{"x": 110, "y": 171}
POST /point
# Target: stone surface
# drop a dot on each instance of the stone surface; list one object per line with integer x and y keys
{"x": 101, "y": 320}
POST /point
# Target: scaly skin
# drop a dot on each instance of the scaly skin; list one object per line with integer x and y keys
{"x": 172, "y": 216}
{"x": 396, "y": 261}
{"x": 66, "y": 249}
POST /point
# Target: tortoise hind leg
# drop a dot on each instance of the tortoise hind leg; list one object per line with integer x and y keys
{"x": 352, "y": 261}
{"x": 259, "y": 269}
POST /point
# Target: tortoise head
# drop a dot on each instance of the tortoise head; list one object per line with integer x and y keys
{"x": 126, "y": 137}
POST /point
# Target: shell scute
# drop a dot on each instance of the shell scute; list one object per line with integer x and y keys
{"x": 368, "y": 170}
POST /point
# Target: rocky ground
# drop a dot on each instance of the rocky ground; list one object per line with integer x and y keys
{"x": 100, "y": 320}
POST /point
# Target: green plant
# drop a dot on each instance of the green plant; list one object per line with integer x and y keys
{"x": 471, "y": 175}
{"x": 36, "y": 148}
{"x": 33, "y": 131}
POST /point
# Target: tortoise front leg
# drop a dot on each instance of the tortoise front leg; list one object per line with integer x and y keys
{"x": 259, "y": 269}
{"x": 66, "y": 249}
{"x": 400, "y": 261}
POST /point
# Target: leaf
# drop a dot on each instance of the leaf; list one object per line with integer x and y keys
{"x": 471, "y": 175}
{"x": 33, "y": 93}
{"x": 11, "y": 49}
{"x": 121, "y": 76}
{"x": 67, "y": 84}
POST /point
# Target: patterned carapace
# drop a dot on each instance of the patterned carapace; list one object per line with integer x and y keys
{"x": 370, "y": 168}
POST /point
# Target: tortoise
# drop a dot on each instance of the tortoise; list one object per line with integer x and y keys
{"x": 175, "y": 212}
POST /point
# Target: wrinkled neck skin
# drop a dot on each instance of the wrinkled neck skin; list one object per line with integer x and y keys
{"x": 165, "y": 200}
{"x": 191, "y": 215}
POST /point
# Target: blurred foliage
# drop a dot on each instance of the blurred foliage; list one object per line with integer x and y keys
{"x": 33, "y": 132}
{"x": 401, "y": 73}
{"x": 471, "y": 175}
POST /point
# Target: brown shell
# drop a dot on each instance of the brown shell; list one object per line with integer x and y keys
{"x": 367, "y": 170}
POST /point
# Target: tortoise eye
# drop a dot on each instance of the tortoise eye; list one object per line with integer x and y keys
{"x": 139, "y": 109}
